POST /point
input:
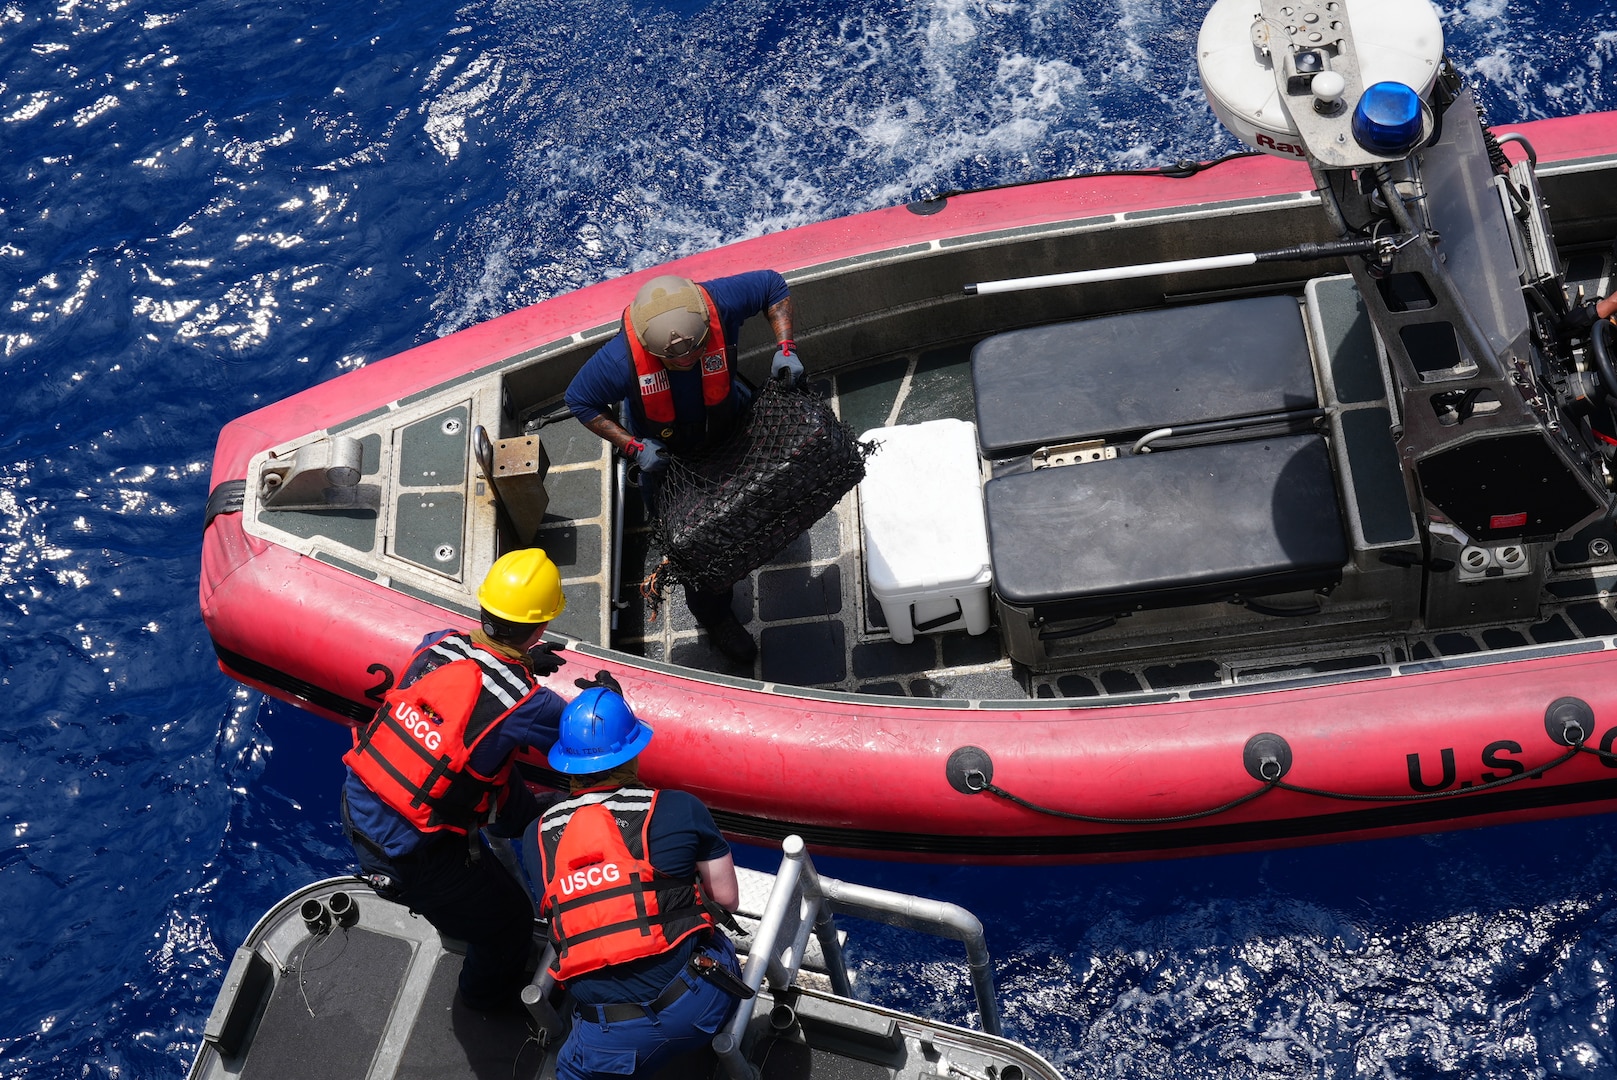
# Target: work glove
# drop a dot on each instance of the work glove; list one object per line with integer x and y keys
{"x": 602, "y": 678}
{"x": 1578, "y": 319}
{"x": 786, "y": 364}
{"x": 544, "y": 660}
{"x": 649, "y": 454}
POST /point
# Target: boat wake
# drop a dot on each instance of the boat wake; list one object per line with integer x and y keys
{"x": 833, "y": 113}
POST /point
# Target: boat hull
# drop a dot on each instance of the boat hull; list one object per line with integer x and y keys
{"x": 1422, "y": 745}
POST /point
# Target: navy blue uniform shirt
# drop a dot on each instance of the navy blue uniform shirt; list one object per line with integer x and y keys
{"x": 608, "y": 377}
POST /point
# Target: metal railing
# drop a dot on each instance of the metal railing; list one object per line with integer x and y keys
{"x": 803, "y": 903}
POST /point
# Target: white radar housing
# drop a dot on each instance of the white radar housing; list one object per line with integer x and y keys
{"x": 1394, "y": 41}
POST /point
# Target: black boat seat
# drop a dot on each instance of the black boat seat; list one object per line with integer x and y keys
{"x": 1205, "y": 523}
{"x": 1140, "y": 371}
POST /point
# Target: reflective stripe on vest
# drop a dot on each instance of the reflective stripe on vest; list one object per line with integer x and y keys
{"x": 651, "y": 377}
{"x": 606, "y": 903}
{"x": 415, "y": 753}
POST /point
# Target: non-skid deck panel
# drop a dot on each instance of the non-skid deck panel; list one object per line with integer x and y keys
{"x": 330, "y": 986}
{"x": 326, "y": 1020}
{"x": 576, "y": 529}
{"x": 449, "y": 1039}
{"x": 790, "y": 1060}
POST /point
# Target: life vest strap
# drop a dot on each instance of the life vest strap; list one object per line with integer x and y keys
{"x": 629, "y": 887}
{"x": 461, "y": 785}
{"x": 645, "y": 924}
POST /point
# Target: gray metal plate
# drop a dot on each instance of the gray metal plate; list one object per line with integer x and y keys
{"x": 428, "y": 530}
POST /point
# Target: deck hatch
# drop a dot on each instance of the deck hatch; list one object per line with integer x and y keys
{"x": 428, "y": 527}
{"x": 1379, "y": 504}
{"x": 432, "y": 451}
{"x": 429, "y": 518}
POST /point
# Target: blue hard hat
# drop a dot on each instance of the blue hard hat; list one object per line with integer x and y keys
{"x": 598, "y": 731}
{"x": 1388, "y": 119}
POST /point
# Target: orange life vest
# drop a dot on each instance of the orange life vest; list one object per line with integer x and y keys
{"x": 607, "y": 904}
{"x": 651, "y": 377}
{"x": 415, "y": 753}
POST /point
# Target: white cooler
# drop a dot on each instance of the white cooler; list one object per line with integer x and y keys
{"x": 926, "y": 536}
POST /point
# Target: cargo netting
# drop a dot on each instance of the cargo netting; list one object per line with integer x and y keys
{"x": 726, "y": 511}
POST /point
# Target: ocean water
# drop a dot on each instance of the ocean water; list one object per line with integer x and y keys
{"x": 209, "y": 204}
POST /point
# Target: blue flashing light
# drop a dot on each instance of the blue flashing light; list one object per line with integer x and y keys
{"x": 1387, "y": 120}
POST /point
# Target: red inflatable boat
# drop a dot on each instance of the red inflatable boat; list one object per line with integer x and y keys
{"x": 1319, "y": 547}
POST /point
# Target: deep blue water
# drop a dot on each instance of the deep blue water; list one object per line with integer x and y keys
{"x": 207, "y": 205}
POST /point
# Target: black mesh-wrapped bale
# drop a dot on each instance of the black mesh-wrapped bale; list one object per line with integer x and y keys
{"x": 725, "y": 512}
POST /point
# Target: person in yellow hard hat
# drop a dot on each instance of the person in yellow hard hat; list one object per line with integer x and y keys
{"x": 433, "y": 768}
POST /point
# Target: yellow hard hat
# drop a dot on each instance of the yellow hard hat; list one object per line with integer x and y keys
{"x": 523, "y": 586}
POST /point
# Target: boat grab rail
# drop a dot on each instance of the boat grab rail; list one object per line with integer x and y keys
{"x": 1378, "y": 249}
{"x": 802, "y": 902}
{"x": 1237, "y": 427}
{"x": 1183, "y": 169}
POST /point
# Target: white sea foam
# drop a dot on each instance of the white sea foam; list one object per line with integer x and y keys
{"x": 465, "y": 95}
{"x": 1486, "y": 10}
{"x": 862, "y": 112}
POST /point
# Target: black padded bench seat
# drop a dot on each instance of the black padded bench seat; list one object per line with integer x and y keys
{"x": 1200, "y": 524}
{"x": 1140, "y": 371}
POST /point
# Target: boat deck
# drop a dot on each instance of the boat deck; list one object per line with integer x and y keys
{"x": 818, "y": 625}
{"x": 335, "y": 983}
{"x": 809, "y": 609}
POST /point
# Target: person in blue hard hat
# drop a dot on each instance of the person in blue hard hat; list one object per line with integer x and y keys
{"x": 433, "y": 767}
{"x": 635, "y": 882}
{"x": 674, "y": 365}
